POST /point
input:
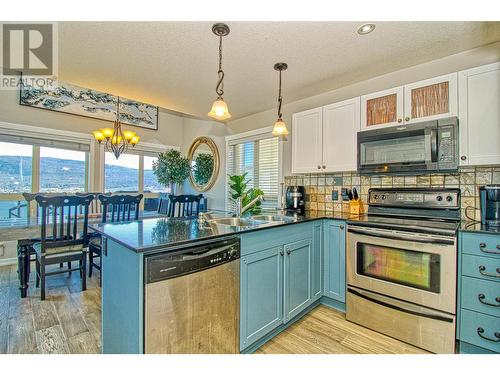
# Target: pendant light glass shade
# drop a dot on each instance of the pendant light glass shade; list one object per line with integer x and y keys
{"x": 279, "y": 128}
{"x": 219, "y": 110}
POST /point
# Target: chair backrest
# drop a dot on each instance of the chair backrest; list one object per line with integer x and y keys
{"x": 163, "y": 203}
{"x": 120, "y": 207}
{"x": 59, "y": 220}
{"x": 184, "y": 205}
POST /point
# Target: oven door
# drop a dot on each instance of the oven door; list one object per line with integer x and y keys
{"x": 399, "y": 149}
{"x": 413, "y": 267}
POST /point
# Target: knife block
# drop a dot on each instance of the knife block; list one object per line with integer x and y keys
{"x": 356, "y": 206}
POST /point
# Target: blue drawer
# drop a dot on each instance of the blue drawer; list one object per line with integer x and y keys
{"x": 481, "y": 244}
{"x": 482, "y": 267}
{"x": 480, "y": 295}
{"x": 480, "y": 330}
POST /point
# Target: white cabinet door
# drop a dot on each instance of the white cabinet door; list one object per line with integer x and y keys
{"x": 307, "y": 141}
{"x": 381, "y": 109}
{"x": 341, "y": 122}
{"x": 479, "y": 110}
{"x": 431, "y": 99}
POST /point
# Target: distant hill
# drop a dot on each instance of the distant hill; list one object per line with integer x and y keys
{"x": 64, "y": 174}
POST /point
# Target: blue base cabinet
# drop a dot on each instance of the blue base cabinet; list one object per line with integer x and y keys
{"x": 261, "y": 294}
{"x": 282, "y": 276}
{"x": 297, "y": 277}
{"x": 334, "y": 260}
{"x": 479, "y": 293}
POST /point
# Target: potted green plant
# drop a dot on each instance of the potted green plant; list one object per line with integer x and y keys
{"x": 238, "y": 185}
{"x": 171, "y": 168}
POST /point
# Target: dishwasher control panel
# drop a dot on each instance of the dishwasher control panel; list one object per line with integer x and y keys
{"x": 177, "y": 263}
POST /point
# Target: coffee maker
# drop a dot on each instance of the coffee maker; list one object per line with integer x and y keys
{"x": 489, "y": 198}
{"x": 295, "y": 198}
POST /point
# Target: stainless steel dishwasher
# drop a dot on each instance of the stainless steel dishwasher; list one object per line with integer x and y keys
{"x": 192, "y": 299}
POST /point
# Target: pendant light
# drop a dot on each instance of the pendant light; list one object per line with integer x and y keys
{"x": 116, "y": 139}
{"x": 219, "y": 109}
{"x": 279, "y": 129}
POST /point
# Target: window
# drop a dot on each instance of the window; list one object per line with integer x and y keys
{"x": 121, "y": 174}
{"x": 62, "y": 170}
{"x": 15, "y": 179}
{"x": 259, "y": 157}
{"x": 133, "y": 173}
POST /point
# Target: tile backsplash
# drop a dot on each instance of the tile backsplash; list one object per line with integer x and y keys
{"x": 319, "y": 187}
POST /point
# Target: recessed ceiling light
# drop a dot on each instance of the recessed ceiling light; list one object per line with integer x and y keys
{"x": 367, "y": 28}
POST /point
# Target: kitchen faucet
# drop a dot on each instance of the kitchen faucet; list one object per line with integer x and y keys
{"x": 239, "y": 202}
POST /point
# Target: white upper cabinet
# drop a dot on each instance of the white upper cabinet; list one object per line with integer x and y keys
{"x": 431, "y": 99}
{"x": 479, "y": 115}
{"x": 307, "y": 138}
{"x": 383, "y": 108}
{"x": 341, "y": 122}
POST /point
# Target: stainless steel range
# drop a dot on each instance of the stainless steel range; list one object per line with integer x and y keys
{"x": 401, "y": 266}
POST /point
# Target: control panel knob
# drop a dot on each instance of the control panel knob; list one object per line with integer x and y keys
{"x": 383, "y": 197}
{"x": 439, "y": 198}
{"x": 449, "y": 198}
{"x": 232, "y": 252}
{"x": 375, "y": 196}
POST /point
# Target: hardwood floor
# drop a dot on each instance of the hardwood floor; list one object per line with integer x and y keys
{"x": 326, "y": 331}
{"x": 69, "y": 321}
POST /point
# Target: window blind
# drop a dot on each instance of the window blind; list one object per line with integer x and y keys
{"x": 260, "y": 159}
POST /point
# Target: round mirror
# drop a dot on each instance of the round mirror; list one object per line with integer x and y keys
{"x": 203, "y": 157}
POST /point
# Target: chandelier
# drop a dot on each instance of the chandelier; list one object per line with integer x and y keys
{"x": 279, "y": 129}
{"x": 219, "y": 109}
{"x": 117, "y": 140}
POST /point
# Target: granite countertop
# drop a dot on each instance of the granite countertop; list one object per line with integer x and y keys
{"x": 148, "y": 234}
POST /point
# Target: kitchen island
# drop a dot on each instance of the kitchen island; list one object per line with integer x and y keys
{"x": 126, "y": 247}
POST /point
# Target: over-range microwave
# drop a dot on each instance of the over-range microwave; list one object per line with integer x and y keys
{"x": 430, "y": 146}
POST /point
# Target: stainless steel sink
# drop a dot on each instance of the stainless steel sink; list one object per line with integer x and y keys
{"x": 239, "y": 222}
{"x": 274, "y": 218}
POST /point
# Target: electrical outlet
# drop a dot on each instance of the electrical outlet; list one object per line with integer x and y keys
{"x": 335, "y": 195}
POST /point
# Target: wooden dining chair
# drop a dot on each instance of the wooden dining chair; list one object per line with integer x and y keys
{"x": 62, "y": 238}
{"x": 114, "y": 208}
{"x": 184, "y": 205}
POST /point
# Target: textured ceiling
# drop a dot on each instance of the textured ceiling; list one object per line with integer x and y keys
{"x": 174, "y": 64}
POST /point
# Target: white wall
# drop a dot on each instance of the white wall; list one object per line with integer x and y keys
{"x": 217, "y": 131}
{"x": 464, "y": 60}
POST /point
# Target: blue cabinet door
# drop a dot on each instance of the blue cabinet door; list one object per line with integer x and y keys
{"x": 334, "y": 255}
{"x": 261, "y": 294}
{"x": 317, "y": 261}
{"x": 297, "y": 280}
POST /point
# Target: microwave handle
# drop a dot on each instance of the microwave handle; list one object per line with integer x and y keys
{"x": 434, "y": 150}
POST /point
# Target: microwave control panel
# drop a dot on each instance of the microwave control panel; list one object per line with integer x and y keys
{"x": 447, "y": 147}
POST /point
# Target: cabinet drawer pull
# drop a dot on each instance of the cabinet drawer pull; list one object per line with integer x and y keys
{"x": 480, "y": 332}
{"x": 407, "y": 119}
{"x": 288, "y": 251}
{"x": 400, "y": 120}
{"x": 463, "y": 157}
{"x": 341, "y": 227}
{"x": 282, "y": 252}
{"x": 481, "y": 297}
{"x": 483, "y": 268}
{"x": 482, "y": 245}
{"x": 319, "y": 166}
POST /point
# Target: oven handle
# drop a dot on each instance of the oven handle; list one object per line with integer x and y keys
{"x": 401, "y": 236}
{"x": 436, "y": 316}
